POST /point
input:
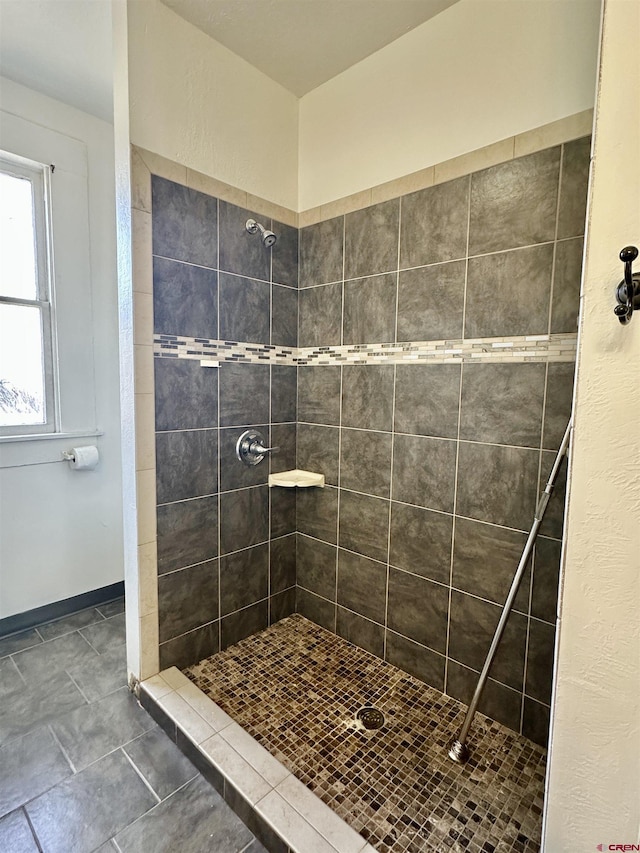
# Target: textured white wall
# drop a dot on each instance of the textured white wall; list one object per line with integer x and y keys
{"x": 594, "y": 771}
{"x": 60, "y": 530}
{"x": 195, "y": 102}
{"x": 480, "y": 71}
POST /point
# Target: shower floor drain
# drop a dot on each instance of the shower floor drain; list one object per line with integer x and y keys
{"x": 370, "y": 718}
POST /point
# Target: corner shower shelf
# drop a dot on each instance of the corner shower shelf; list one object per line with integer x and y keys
{"x": 296, "y": 477}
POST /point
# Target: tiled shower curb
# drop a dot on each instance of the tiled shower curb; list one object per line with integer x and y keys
{"x": 282, "y": 812}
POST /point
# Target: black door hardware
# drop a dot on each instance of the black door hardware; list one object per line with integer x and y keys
{"x": 628, "y": 291}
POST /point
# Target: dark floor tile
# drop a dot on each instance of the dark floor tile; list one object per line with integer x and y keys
{"x": 243, "y": 623}
{"x": 16, "y": 835}
{"x": 10, "y": 679}
{"x": 364, "y": 524}
{"x": 573, "y": 188}
{"x": 320, "y": 316}
{"x": 317, "y": 609}
{"x": 197, "y": 806}
{"x": 371, "y": 239}
{"x": 69, "y": 623}
{"x": 282, "y": 563}
{"x": 558, "y": 403}
{"x": 316, "y": 566}
{"x": 362, "y": 585}
{"x": 255, "y": 847}
{"x": 186, "y": 464}
{"x": 283, "y": 393}
{"x": 415, "y": 659}
{"x": 104, "y": 635}
{"x": 370, "y": 309}
{"x": 498, "y": 702}
{"x": 282, "y": 604}
{"x": 367, "y": 396}
{"x": 160, "y": 762}
{"x": 427, "y": 399}
{"x": 244, "y": 518}
{"x": 319, "y": 395}
{"x": 471, "y": 627}
{"x": 360, "y": 631}
{"x": 284, "y": 316}
{"x": 53, "y": 656}
{"x": 535, "y": 721}
{"x": 565, "y": 302}
{"x": 514, "y": 204}
{"x": 245, "y": 309}
{"x": 418, "y": 609}
{"x": 317, "y": 511}
{"x": 244, "y": 578}
{"x": 30, "y": 765}
{"x": 542, "y": 638}
{"x": 102, "y": 675}
{"x": 367, "y": 470}
{"x": 434, "y": 224}
{"x": 491, "y": 309}
{"x": 485, "y": 558}
{"x": 497, "y": 484}
{"x": 191, "y": 647}
{"x": 546, "y": 574}
{"x": 111, "y": 608}
{"x": 424, "y": 471}
{"x": 161, "y": 717}
{"x": 187, "y": 533}
{"x": 234, "y": 474}
{"x": 39, "y": 703}
{"x": 502, "y": 403}
{"x": 241, "y": 252}
{"x": 17, "y": 642}
{"x": 244, "y": 394}
{"x": 421, "y": 541}
{"x": 185, "y": 223}
{"x": 430, "y": 302}
{"x": 90, "y": 732}
{"x": 186, "y": 394}
{"x": 187, "y": 599}
{"x": 321, "y": 252}
{"x": 284, "y": 255}
{"x": 317, "y": 449}
{"x": 185, "y": 300}
{"x": 72, "y": 816}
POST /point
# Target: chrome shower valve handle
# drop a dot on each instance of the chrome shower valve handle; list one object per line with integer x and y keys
{"x": 251, "y": 447}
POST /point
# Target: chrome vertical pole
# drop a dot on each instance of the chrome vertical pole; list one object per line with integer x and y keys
{"x": 459, "y": 751}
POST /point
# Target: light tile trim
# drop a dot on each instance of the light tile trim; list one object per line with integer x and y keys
{"x": 294, "y": 812}
{"x": 506, "y": 350}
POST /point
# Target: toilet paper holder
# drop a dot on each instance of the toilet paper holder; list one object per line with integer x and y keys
{"x": 68, "y": 456}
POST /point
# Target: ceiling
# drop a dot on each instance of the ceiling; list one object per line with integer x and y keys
{"x": 303, "y": 43}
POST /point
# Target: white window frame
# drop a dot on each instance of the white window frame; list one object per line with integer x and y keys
{"x": 38, "y": 175}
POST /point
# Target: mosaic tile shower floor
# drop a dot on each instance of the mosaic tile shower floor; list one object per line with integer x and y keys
{"x": 296, "y": 688}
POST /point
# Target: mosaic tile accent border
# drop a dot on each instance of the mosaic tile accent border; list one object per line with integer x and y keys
{"x": 524, "y": 348}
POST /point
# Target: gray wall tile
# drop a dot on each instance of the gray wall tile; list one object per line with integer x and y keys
{"x": 371, "y": 239}
{"x": 245, "y": 309}
{"x": 514, "y": 204}
{"x": 184, "y": 222}
{"x": 558, "y": 403}
{"x": 427, "y": 399}
{"x": 360, "y": 631}
{"x": 186, "y": 464}
{"x": 431, "y": 302}
{"x": 284, "y": 255}
{"x": 365, "y": 461}
{"x": 573, "y": 188}
{"x": 234, "y": 474}
{"x": 362, "y": 585}
{"x": 283, "y": 393}
{"x": 244, "y": 578}
{"x": 318, "y": 450}
{"x": 243, "y": 623}
{"x": 367, "y": 396}
{"x": 321, "y": 252}
{"x": 424, "y": 471}
{"x": 283, "y": 511}
{"x": 370, "y": 309}
{"x": 316, "y": 566}
{"x": 244, "y": 394}
{"x": 315, "y": 608}
{"x": 282, "y": 563}
{"x": 185, "y": 299}
{"x": 546, "y": 575}
{"x": 319, "y": 395}
{"x": 434, "y": 224}
{"x": 364, "y": 524}
{"x": 283, "y": 436}
{"x": 244, "y": 518}
{"x": 498, "y": 702}
{"x": 241, "y": 252}
{"x": 187, "y": 599}
{"x": 186, "y": 395}
{"x": 320, "y": 316}
{"x": 415, "y": 659}
{"x": 418, "y": 609}
{"x": 421, "y": 541}
{"x": 317, "y": 511}
{"x": 282, "y": 604}
{"x": 540, "y": 660}
{"x": 284, "y": 319}
{"x": 187, "y": 533}
{"x": 191, "y": 647}
{"x": 565, "y": 302}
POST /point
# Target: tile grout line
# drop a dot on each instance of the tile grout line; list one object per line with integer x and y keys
{"x": 140, "y": 774}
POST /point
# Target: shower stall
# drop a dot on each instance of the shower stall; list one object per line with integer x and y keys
{"x": 419, "y": 353}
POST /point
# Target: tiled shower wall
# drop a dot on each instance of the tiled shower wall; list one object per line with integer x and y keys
{"x": 225, "y": 541}
{"x": 433, "y": 470}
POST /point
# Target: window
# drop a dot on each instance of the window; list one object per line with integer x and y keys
{"x": 27, "y": 401}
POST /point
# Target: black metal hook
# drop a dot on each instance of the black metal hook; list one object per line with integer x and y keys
{"x": 628, "y": 291}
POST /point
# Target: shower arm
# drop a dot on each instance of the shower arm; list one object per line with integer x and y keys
{"x": 459, "y": 751}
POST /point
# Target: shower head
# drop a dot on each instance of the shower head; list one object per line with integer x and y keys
{"x": 268, "y": 237}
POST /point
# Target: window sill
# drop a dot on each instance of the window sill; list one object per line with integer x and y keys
{"x": 38, "y": 436}
{"x": 16, "y": 451}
